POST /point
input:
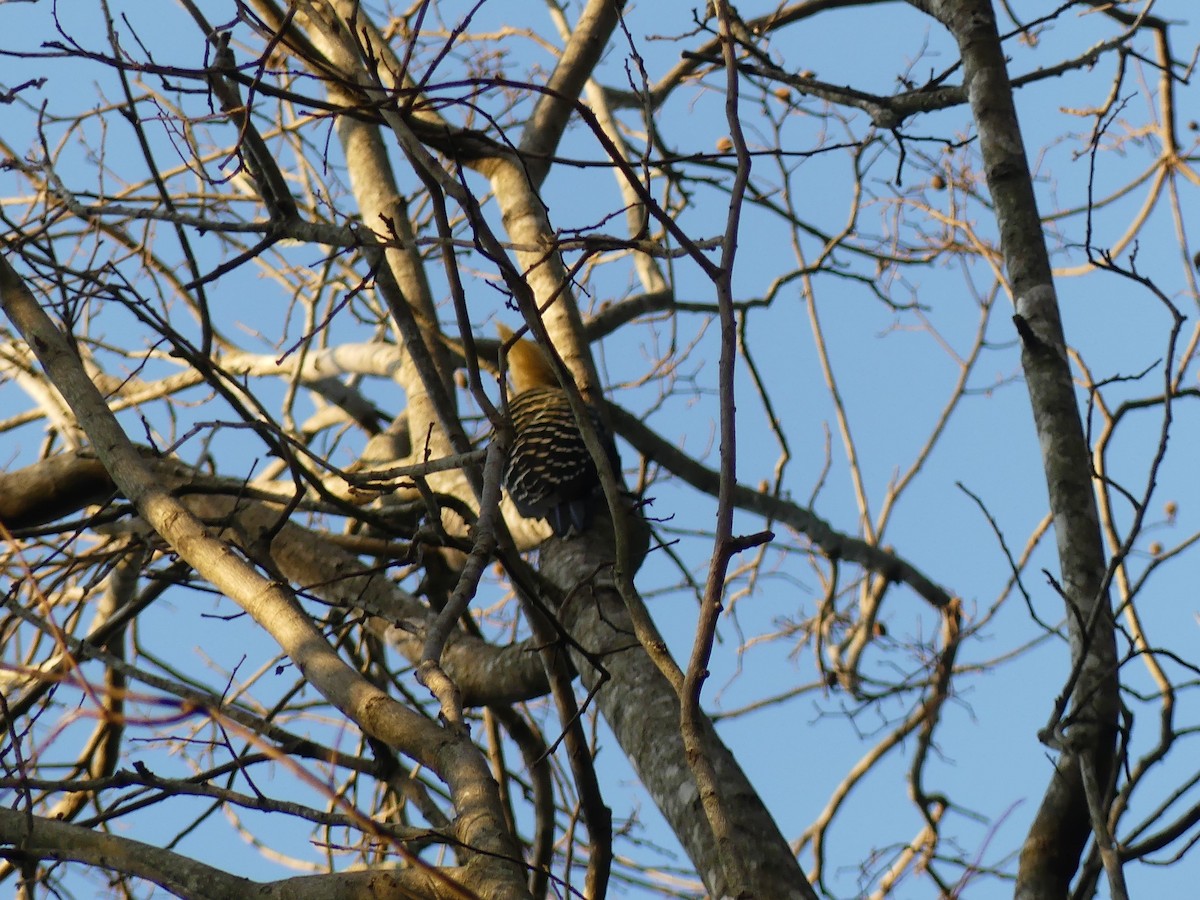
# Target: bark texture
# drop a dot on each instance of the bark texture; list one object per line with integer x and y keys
{"x": 642, "y": 708}
{"x": 1087, "y": 732}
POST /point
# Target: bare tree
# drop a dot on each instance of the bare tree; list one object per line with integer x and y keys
{"x": 256, "y": 410}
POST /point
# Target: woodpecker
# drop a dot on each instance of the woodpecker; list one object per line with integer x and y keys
{"x": 550, "y": 474}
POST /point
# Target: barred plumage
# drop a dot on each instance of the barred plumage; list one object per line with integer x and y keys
{"x": 550, "y": 474}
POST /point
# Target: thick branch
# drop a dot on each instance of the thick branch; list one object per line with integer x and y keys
{"x": 269, "y": 603}
{"x": 642, "y": 709}
{"x": 44, "y": 838}
{"x": 1051, "y": 853}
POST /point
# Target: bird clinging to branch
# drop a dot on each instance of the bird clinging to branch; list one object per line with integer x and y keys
{"x": 550, "y": 473}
